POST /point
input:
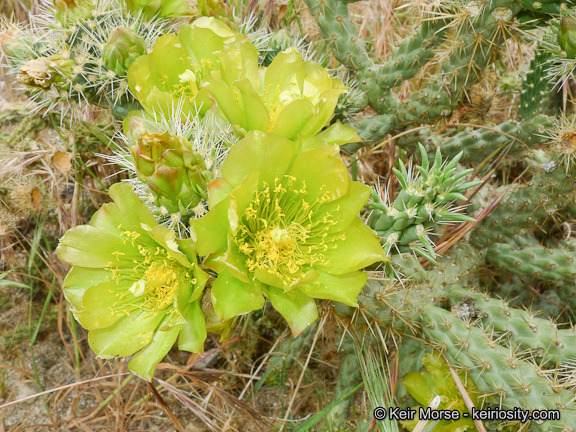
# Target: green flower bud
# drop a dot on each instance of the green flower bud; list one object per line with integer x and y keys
{"x": 42, "y": 72}
{"x": 121, "y": 49}
{"x": 567, "y": 36}
{"x": 160, "y": 8}
{"x": 175, "y": 173}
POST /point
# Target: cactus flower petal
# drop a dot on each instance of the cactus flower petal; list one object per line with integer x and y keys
{"x": 297, "y": 308}
{"x": 355, "y": 248}
{"x": 232, "y": 297}
{"x": 342, "y": 288}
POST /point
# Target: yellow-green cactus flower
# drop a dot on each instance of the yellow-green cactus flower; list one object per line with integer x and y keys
{"x": 284, "y": 224}
{"x": 180, "y": 65}
{"x": 436, "y": 380}
{"x": 291, "y": 97}
{"x": 133, "y": 285}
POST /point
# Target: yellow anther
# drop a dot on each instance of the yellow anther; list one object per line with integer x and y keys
{"x": 117, "y": 253}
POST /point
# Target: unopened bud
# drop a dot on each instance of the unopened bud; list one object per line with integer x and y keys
{"x": 121, "y": 49}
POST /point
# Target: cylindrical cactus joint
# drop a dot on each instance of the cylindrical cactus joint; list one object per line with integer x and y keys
{"x": 567, "y": 36}
{"x": 121, "y": 49}
{"x": 175, "y": 173}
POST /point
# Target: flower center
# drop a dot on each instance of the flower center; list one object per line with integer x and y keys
{"x": 280, "y": 236}
{"x": 155, "y": 275}
{"x": 191, "y": 80}
{"x": 284, "y": 233}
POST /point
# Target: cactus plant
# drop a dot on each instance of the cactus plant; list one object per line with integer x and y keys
{"x": 239, "y": 196}
{"x": 81, "y": 36}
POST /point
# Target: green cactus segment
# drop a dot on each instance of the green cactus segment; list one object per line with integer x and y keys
{"x": 341, "y": 33}
{"x": 463, "y": 67}
{"x": 544, "y": 6}
{"x": 550, "y": 264}
{"x": 536, "y": 88}
{"x": 348, "y": 378}
{"x": 528, "y": 207}
{"x": 122, "y": 48}
{"x": 547, "y": 342}
{"x": 375, "y": 79}
{"x": 426, "y": 199}
{"x": 395, "y": 309}
{"x": 289, "y": 351}
{"x": 458, "y": 266}
{"x": 409, "y": 355}
{"x": 477, "y": 144}
{"x": 373, "y": 128}
{"x": 408, "y": 59}
{"x": 507, "y": 380}
{"x": 175, "y": 173}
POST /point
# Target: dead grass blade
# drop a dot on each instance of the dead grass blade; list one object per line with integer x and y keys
{"x": 434, "y": 404}
{"x": 465, "y": 396}
{"x": 302, "y": 373}
{"x": 6, "y": 405}
{"x": 166, "y": 408}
